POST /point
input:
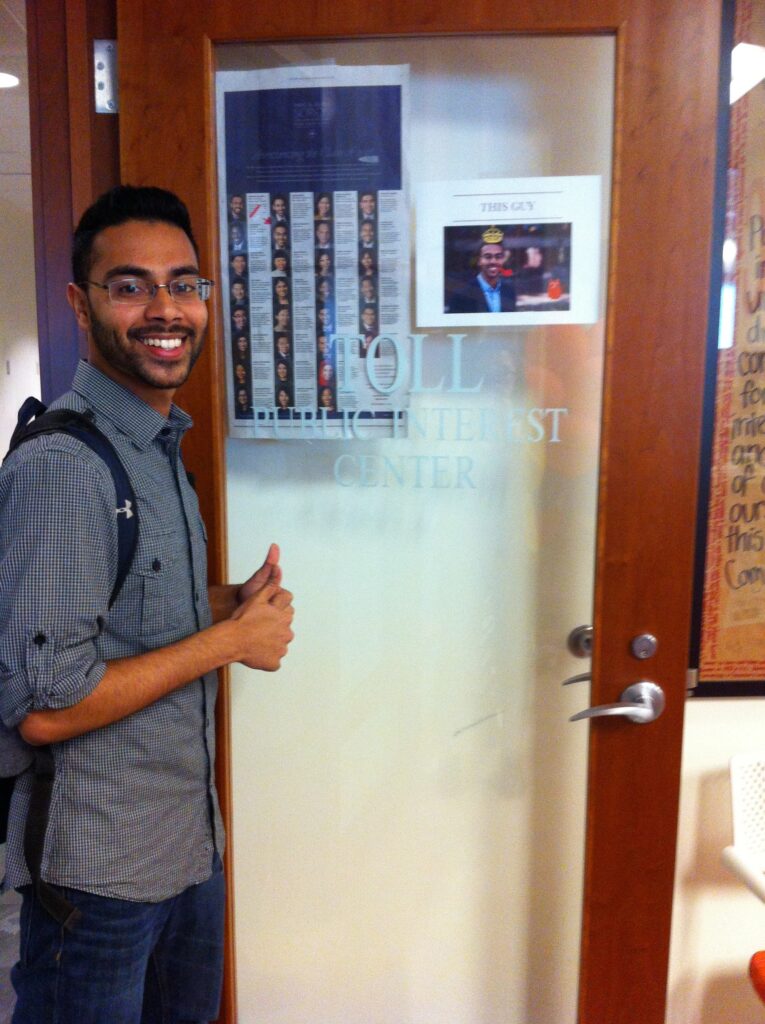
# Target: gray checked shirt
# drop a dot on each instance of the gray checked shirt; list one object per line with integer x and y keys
{"x": 134, "y": 812}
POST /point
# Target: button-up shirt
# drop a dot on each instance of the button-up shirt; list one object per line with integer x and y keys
{"x": 134, "y": 813}
{"x": 492, "y": 294}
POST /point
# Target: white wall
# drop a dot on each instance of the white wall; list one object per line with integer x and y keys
{"x": 717, "y": 922}
{"x": 19, "y": 368}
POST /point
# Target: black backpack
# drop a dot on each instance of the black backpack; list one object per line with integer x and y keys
{"x": 16, "y": 756}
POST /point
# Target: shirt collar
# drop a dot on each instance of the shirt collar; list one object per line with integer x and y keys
{"x": 127, "y": 411}
{"x": 488, "y": 288}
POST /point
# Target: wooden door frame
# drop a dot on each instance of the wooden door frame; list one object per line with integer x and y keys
{"x": 666, "y": 99}
{"x": 666, "y": 96}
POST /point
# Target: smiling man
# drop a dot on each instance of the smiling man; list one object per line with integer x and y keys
{"x": 489, "y": 291}
{"x": 123, "y": 695}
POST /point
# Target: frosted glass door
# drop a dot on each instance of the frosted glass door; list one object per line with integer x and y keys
{"x": 408, "y": 792}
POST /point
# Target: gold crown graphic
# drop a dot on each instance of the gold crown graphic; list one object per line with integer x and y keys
{"x": 492, "y": 236}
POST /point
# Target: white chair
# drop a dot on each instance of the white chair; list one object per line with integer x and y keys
{"x": 746, "y": 857}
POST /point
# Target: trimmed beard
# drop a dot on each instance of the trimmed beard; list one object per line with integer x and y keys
{"x": 127, "y": 361}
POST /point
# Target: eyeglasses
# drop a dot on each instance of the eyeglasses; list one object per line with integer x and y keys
{"x": 135, "y": 291}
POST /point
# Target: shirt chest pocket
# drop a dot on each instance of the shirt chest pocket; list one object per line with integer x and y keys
{"x": 156, "y": 598}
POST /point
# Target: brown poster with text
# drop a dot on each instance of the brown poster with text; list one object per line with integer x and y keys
{"x": 733, "y": 616}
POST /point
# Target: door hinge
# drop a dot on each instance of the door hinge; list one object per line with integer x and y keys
{"x": 105, "y": 76}
{"x": 691, "y": 680}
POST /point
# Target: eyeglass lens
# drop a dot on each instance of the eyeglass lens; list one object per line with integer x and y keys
{"x": 136, "y": 291}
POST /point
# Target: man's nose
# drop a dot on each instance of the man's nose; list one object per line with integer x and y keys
{"x": 162, "y": 304}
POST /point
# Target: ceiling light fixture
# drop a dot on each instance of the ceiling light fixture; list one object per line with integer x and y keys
{"x": 7, "y": 81}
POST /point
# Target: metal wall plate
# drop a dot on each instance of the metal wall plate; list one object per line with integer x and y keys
{"x": 105, "y": 76}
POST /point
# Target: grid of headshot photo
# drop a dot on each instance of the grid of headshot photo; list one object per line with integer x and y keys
{"x": 297, "y": 229}
{"x": 369, "y": 310}
{"x": 324, "y": 271}
{"x": 241, "y": 356}
{"x": 281, "y": 304}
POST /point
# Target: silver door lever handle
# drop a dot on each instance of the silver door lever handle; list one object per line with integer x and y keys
{"x": 642, "y": 702}
{"x": 583, "y": 677}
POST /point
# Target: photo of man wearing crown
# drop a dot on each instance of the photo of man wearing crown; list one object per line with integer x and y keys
{"x": 490, "y": 290}
{"x": 535, "y": 262}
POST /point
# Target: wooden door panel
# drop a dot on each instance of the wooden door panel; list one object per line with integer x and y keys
{"x": 661, "y": 222}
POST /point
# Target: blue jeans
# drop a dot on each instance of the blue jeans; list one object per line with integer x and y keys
{"x": 124, "y": 962}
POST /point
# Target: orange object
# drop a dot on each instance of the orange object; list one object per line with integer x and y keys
{"x": 757, "y": 973}
{"x": 554, "y": 290}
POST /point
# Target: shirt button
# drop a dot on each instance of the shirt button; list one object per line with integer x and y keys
{"x": 156, "y": 565}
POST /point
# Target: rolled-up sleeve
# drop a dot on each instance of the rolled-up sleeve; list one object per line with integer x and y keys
{"x": 58, "y": 543}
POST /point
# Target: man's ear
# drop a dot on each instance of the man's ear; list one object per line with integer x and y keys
{"x": 78, "y": 300}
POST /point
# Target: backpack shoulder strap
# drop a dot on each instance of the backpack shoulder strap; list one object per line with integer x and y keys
{"x": 34, "y": 419}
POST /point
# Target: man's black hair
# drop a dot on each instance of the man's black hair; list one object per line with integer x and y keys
{"x": 121, "y": 204}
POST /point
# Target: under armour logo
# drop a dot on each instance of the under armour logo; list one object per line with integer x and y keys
{"x": 128, "y": 509}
